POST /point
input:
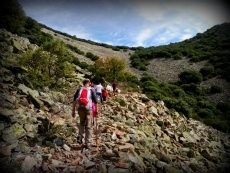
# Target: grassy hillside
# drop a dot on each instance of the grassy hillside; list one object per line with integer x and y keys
{"x": 212, "y": 45}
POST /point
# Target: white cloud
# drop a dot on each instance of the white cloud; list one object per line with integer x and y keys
{"x": 143, "y": 36}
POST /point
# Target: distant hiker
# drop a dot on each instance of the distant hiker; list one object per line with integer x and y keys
{"x": 109, "y": 88}
{"x": 99, "y": 89}
{"x": 83, "y": 99}
{"x": 104, "y": 94}
{"x": 114, "y": 85}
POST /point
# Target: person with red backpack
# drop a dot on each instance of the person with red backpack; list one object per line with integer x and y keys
{"x": 83, "y": 99}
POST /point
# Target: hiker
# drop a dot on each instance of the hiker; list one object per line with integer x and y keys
{"x": 83, "y": 99}
{"x": 99, "y": 89}
{"x": 114, "y": 85}
{"x": 94, "y": 108}
{"x": 104, "y": 94}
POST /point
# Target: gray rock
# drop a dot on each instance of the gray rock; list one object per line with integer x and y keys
{"x": 153, "y": 110}
{"x": 13, "y": 133}
{"x": 66, "y": 147}
{"x": 89, "y": 165}
{"x": 170, "y": 169}
{"x": 28, "y": 91}
{"x": 205, "y": 153}
{"x": 16, "y": 45}
{"x": 6, "y": 112}
{"x": 7, "y": 149}
{"x": 28, "y": 164}
{"x": 22, "y": 147}
{"x": 1, "y": 126}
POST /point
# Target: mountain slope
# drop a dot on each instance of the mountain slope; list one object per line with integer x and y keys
{"x": 163, "y": 69}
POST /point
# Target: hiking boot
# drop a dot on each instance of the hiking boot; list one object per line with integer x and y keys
{"x": 79, "y": 139}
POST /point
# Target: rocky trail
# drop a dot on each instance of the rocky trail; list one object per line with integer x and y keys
{"x": 134, "y": 133}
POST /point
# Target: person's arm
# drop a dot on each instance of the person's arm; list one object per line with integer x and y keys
{"x": 74, "y": 103}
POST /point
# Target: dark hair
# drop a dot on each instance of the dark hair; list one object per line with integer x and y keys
{"x": 85, "y": 81}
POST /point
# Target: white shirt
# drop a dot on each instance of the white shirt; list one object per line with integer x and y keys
{"x": 99, "y": 88}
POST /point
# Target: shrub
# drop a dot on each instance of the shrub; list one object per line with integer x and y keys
{"x": 190, "y": 77}
{"x": 223, "y": 107}
{"x": 83, "y": 65}
{"x": 206, "y": 104}
{"x": 217, "y": 124}
{"x": 215, "y": 89}
{"x": 204, "y": 113}
{"x": 179, "y": 105}
{"x": 177, "y": 57}
{"x": 143, "y": 68}
{"x": 91, "y": 56}
{"x": 179, "y": 92}
{"x": 191, "y": 89}
{"x": 75, "y": 61}
{"x": 207, "y": 71}
{"x": 190, "y": 100}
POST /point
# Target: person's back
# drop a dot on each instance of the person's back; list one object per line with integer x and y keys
{"x": 85, "y": 113}
{"x": 99, "y": 88}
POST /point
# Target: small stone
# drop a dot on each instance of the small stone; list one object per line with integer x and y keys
{"x": 66, "y": 147}
{"x": 28, "y": 164}
{"x": 89, "y": 165}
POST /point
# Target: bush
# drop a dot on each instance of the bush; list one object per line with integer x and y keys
{"x": 204, "y": 113}
{"x": 223, "y": 107}
{"x": 191, "y": 77}
{"x": 75, "y": 61}
{"x": 143, "y": 68}
{"x": 179, "y": 92}
{"x": 207, "y": 71}
{"x": 191, "y": 89}
{"x": 215, "y": 89}
{"x": 190, "y": 100}
{"x": 91, "y": 56}
{"x": 84, "y": 65}
{"x": 206, "y": 104}
{"x": 177, "y": 57}
{"x": 179, "y": 105}
{"x": 217, "y": 124}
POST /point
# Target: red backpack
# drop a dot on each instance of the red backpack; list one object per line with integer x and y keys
{"x": 84, "y": 97}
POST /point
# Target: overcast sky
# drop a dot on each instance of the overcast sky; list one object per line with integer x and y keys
{"x": 129, "y": 22}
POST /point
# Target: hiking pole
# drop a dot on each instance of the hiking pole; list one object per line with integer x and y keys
{"x": 96, "y": 129}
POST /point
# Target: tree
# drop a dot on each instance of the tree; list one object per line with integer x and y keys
{"x": 12, "y": 16}
{"x": 47, "y": 64}
{"x": 109, "y": 68}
